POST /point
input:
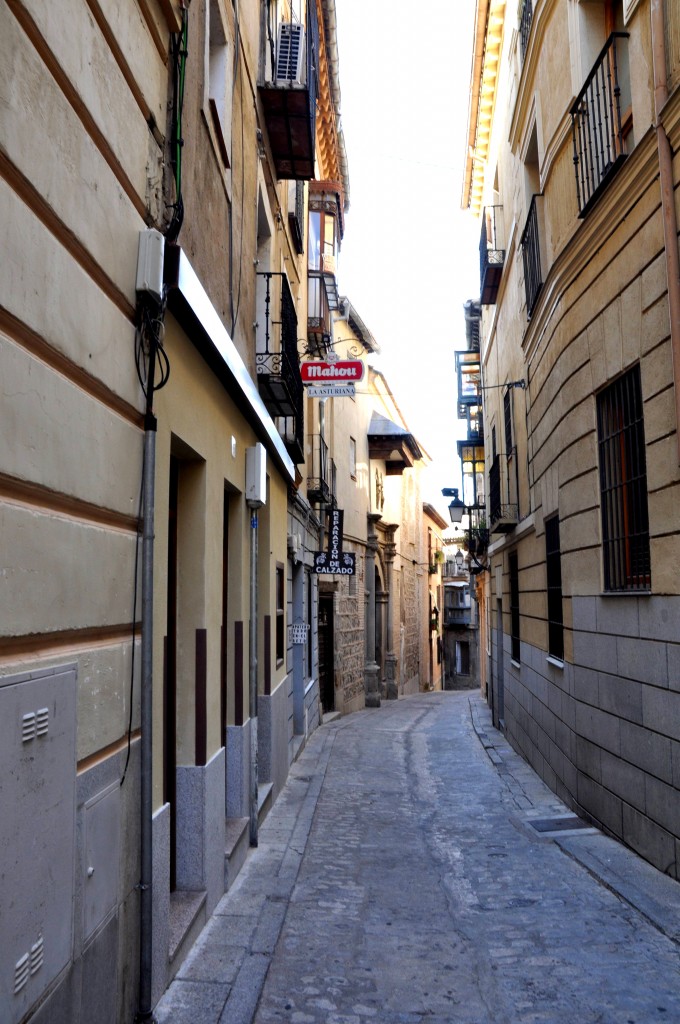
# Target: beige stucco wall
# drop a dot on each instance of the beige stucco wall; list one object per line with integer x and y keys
{"x": 197, "y": 422}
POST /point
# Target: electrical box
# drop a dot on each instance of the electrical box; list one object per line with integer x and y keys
{"x": 256, "y": 476}
{"x": 150, "y": 264}
{"x": 37, "y": 834}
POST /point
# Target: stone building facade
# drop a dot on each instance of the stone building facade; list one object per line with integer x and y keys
{"x": 580, "y": 304}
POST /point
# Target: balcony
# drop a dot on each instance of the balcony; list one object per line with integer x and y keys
{"x": 288, "y": 89}
{"x": 491, "y": 257}
{"x": 596, "y": 122}
{"x": 469, "y": 372}
{"x": 318, "y": 314}
{"x": 531, "y": 257}
{"x": 456, "y": 617}
{"x": 503, "y": 514}
{"x": 278, "y": 370}
{"x": 321, "y": 482}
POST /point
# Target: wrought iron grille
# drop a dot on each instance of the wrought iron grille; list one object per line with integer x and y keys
{"x": 623, "y": 485}
{"x": 553, "y": 566}
{"x": 502, "y": 514}
{"x": 596, "y": 124}
{"x": 278, "y": 370}
{"x": 531, "y": 257}
{"x": 319, "y": 483}
{"x": 525, "y": 19}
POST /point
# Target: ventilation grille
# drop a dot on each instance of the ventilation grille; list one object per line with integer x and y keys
{"x": 37, "y": 955}
{"x": 289, "y": 53}
{"x": 30, "y": 963}
{"x": 34, "y": 724}
{"x": 21, "y": 973}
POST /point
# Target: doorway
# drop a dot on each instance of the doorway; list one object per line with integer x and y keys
{"x": 500, "y": 711}
{"x": 326, "y": 653}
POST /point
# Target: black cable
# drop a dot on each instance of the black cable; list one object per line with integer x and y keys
{"x": 180, "y": 52}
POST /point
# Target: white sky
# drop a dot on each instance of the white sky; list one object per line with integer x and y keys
{"x": 410, "y": 256}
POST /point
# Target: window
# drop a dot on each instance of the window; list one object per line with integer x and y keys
{"x": 602, "y": 115}
{"x": 322, "y": 242}
{"x": 623, "y": 485}
{"x": 554, "y": 582}
{"x": 352, "y": 458}
{"x": 507, "y": 411}
{"x": 280, "y": 613}
{"x": 514, "y": 607}
{"x": 219, "y": 74}
{"x": 525, "y": 19}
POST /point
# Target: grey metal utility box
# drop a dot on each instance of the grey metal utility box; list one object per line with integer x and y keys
{"x": 37, "y": 833}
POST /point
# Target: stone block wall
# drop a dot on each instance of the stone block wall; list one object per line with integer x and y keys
{"x": 604, "y": 731}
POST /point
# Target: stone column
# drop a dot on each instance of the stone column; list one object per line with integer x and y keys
{"x": 380, "y": 648}
{"x": 371, "y": 671}
{"x": 390, "y": 551}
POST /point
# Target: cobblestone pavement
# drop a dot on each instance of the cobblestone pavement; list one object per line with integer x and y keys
{"x": 399, "y": 880}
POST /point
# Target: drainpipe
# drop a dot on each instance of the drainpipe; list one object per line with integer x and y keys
{"x": 256, "y": 497}
{"x": 145, "y": 1011}
{"x": 150, "y": 291}
{"x": 252, "y": 674}
{"x": 670, "y": 226}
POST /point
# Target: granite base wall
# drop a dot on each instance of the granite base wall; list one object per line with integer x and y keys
{"x": 275, "y": 735}
{"x": 604, "y": 732}
{"x": 201, "y": 829}
{"x": 238, "y": 771}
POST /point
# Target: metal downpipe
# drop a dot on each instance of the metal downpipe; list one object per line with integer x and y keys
{"x": 252, "y": 678}
{"x": 145, "y": 1012}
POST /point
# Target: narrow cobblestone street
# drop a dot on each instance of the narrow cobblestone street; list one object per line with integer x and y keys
{"x": 399, "y": 879}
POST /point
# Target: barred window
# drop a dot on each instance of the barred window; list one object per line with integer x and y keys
{"x": 623, "y": 485}
{"x": 514, "y": 606}
{"x": 554, "y": 581}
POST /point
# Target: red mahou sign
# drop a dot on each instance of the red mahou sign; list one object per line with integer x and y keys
{"x": 344, "y": 371}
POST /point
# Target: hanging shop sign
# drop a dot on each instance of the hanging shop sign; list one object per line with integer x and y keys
{"x": 335, "y": 561}
{"x": 332, "y": 391}
{"x": 338, "y": 371}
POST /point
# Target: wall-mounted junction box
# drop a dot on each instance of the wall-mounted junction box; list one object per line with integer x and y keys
{"x": 37, "y": 834}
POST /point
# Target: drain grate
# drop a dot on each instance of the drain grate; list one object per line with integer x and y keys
{"x": 559, "y": 824}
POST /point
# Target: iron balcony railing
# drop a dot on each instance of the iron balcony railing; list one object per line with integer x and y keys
{"x": 597, "y": 134}
{"x": 531, "y": 257}
{"x": 278, "y": 370}
{"x": 502, "y": 512}
{"x": 491, "y": 257}
{"x": 320, "y": 482}
{"x": 525, "y": 19}
{"x": 457, "y": 617}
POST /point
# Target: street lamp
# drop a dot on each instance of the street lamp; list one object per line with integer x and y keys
{"x": 460, "y": 559}
{"x": 456, "y": 507}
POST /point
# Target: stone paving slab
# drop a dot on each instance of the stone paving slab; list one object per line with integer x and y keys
{"x": 398, "y": 880}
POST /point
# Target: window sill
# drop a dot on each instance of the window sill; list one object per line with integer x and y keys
{"x": 625, "y": 593}
{"x": 555, "y": 662}
{"x": 517, "y": 664}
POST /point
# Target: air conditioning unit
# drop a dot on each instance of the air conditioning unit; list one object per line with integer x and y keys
{"x": 290, "y": 49}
